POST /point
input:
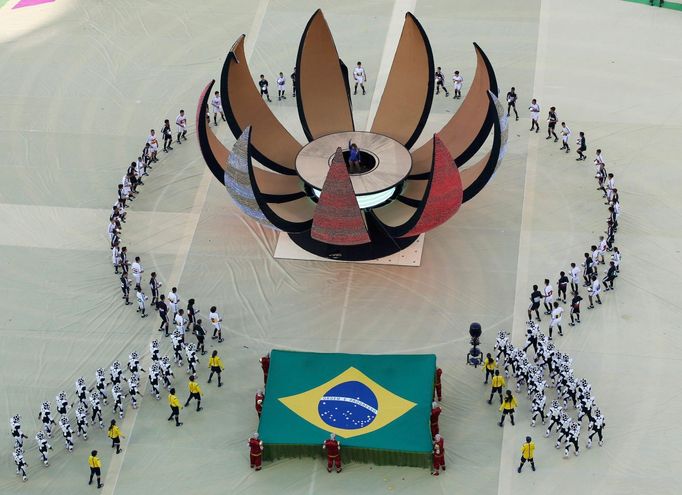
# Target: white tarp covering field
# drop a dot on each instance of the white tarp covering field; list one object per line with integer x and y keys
{"x": 83, "y": 82}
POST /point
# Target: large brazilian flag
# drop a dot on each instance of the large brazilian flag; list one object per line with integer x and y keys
{"x": 378, "y": 406}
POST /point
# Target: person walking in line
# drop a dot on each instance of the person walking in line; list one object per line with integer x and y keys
{"x": 552, "y": 119}
{"x": 582, "y": 146}
{"x": 216, "y": 321}
{"x": 489, "y": 366}
{"x": 458, "y": 80}
{"x": 154, "y": 286}
{"x": 588, "y": 269}
{"x": 43, "y": 447}
{"x": 575, "y": 309}
{"x": 201, "y": 335}
{"x": 125, "y": 288}
{"x": 96, "y": 410}
{"x": 595, "y": 290}
{"x": 181, "y": 124}
{"x": 263, "y": 85}
{"x": 615, "y": 257}
{"x": 281, "y": 87}
{"x": 216, "y": 366}
{"x": 153, "y": 143}
{"x": 125, "y": 264}
{"x": 511, "y": 102}
{"x": 507, "y": 407}
{"x": 20, "y": 463}
{"x": 534, "y": 115}
{"x": 565, "y": 134}
{"x": 194, "y": 393}
{"x": 440, "y": 82}
{"x": 217, "y": 107}
{"x": 527, "y": 453}
{"x": 602, "y": 247}
{"x": 45, "y": 415}
{"x": 562, "y": 286}
{"x": 360, "y": 77}
{"x": 17, "y": 433}
{"x": 596, "y": 427}
{"x": 192, "y": 312}
{"x": 548, "y": 297}
{"x": 167, "y": 134}
{"x": 95, "y": 468}
{"x": 535, "y": 298}
{"x": 141, "y": 299}
{"x": 496, "y": 386}
{"x": 173, "y": 301}
{"x": 555, "y": 322}
{"x": 175, "y": 406}
{"x": 575, "y": 278}
{"x": 115, "y": 434}
{"x": 610, "y": 276}
{"x": 163, "y": 314}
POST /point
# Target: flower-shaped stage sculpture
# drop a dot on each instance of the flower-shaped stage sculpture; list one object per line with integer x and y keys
{"x": 381, "y": 205}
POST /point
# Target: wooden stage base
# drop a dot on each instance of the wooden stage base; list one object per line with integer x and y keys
{"x": 411, "y": 256}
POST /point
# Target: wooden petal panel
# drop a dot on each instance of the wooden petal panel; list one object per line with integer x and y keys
{"x": 272, "y": 145}
{"x": 468, "y": 129}
{"x": 322, "y": 94}
{"x": 475, "y": 177}
{"x": 406, "y": 101}
{"x": 281, "y": 199}
{"x": 214, "y": 152}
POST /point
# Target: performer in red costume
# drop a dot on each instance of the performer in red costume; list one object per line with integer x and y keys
{"x": 260, "y": 397}
{"x": 265, "y": 364}
{"x": 437, "y": 385}
{"x": 333, "y": 448}
{"x": 256, "y": 451}
{"x": 438, "y": 457}
{"x": 435, "y": 412}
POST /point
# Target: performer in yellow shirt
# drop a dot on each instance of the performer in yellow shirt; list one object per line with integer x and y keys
{"x": 507, "y": 407}
{"x": 527, "y": 452}
{"x": 497, "y": 383}
{"x": 194, "y": 393}
{"x": 489, "y": 366}
{"x": 175, "y": 406}
{"x": 115, "y": 434}
{"x": 216, "y": 366}
{"x": 95, "y": 468}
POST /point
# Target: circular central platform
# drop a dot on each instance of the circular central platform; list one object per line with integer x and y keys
{"x": 384, "y": 161}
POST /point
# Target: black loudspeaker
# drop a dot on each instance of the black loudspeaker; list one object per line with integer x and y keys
{"x": 475, "y": 356}
{"x": 475, "y": 332}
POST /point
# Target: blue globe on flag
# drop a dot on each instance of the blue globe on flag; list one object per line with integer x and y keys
{"x": 349, "y": 405}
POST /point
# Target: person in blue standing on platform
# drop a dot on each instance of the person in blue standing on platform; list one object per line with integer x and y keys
{"x": 354, "y": 158}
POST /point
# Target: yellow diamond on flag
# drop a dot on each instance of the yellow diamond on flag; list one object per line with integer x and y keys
{"x": 349, "y": 405}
